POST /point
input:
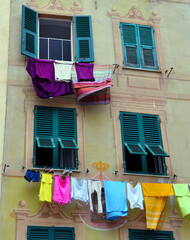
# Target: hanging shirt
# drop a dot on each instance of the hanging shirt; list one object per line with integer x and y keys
{"x": 84, "y": 71}
{"x": 62, "y": 190}
{"x": 155, "y": 197}
{"x": 135, "y": 196}
{"x": 62, "y": 71}
{"x": 79, "y": 190}
{"x": 95, "y": 186}
{"x": 182, "y": 194}
{"x": 115, "y": 198}
{"x": 43, "y": 79}
{"x": 45, "y": 193}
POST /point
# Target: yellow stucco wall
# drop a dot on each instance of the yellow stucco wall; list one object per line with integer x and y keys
{"x": 98, "y": 122}
{"x": 4, "y": 39}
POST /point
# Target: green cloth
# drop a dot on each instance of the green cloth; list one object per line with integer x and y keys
{"x": 182, "y": 194}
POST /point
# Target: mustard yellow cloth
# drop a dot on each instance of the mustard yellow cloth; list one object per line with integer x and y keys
{"x": 45, "y": 193}
{"x": 155, "y": 197}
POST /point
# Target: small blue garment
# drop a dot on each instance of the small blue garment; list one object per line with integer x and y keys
{"x": 32, "y": 176}
{"x": 116, "y": 199}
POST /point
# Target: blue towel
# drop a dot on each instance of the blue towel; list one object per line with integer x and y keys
{"x": 116, "y": 199}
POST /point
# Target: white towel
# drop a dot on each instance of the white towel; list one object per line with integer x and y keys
{"x": 62, "y": 71}
{"x": 95, "y": 186}
{"x": 79, "y": 190}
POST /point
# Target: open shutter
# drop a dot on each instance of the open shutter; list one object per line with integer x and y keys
{"x": 152, "y": 135}
{"x": 131, "y": 133}
{"x": 64, "y": 234}
{"x": 147, "y": 45}
{"x": 83, "y": 39}
{"x": 35, "y": 233}
{"x": 129, "y": 45}
{"x": 29, "y": 38}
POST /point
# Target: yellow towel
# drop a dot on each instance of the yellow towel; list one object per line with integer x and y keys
{"x": 155, "y": 197}
{"x": 45, "y": 193}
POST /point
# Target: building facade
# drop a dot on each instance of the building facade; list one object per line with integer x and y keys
{"x": 141, "y": 134}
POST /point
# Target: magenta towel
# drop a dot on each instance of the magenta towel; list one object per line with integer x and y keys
{"x": 43, "y": 79}
{"x": 84, "y": 71}
{"x": 62, "y": 190}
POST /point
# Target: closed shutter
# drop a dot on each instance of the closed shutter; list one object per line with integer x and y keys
{"x": 83, "y": 39}
{"x": 152, "y": 135}
{"x": 38, "y": 233}
{"x": 64, "y": 234}
{"x": 147, "y": 45}
{"x": 29, "y": 37}
{"x": 129, "y": 44}
{"x": 150, "y": 235}
{"x": 131, "y": 134}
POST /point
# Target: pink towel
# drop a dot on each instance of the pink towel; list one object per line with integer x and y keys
{"x": 62, "y": 190}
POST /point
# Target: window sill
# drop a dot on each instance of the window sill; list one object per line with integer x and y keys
{"x": 146, "y": 175}
{"x": 55, "y": 170}
{"x": 141, "y": 69}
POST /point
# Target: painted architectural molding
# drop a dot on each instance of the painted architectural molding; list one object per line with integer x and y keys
{"x": 50, "y": 214}
{"x": 56, "y": 7}
{"x": 62, "y": 101}
{"x": 173, "y": 1}
{"x": 135, "y": 16}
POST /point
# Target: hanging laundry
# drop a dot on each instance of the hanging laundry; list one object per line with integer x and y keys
{"x": 84, "y": 71}
{"x": 62, "y": 71}
{"x": 155, "y": 197}
{"x": 95, "y": 186}
{"x": 62, "y": 190}
{"x": 79, "y": 190}
{"x": 43, "y": 79}
{"x": 32, "y": 176}
{"x": 94, "y": 92}
{"x": 182, "y": 194}
{"x": 135, "y": 196}
{"x": 116, "y": 200}
{"x": 45, "y": 193}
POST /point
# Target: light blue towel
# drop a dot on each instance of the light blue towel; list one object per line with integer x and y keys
{"x": 116, "y": 199}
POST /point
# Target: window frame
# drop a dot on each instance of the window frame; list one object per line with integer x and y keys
{"x": 140, "y": 58}
{"x": 142, "y": 143}
{"x": 55, "y": 148}
{"x": 71, "y": 30}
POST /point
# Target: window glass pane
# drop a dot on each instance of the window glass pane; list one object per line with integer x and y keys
{"x": 55, "y": 29}
{"x": 154, "y": 164}
{"x": 43, "y": 49}
{"x": 55, "y": 49}
{"x": 66, "y": 158}
{"x": 66, "y": 50}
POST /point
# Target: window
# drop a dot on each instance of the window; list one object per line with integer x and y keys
{"x": 138, "y": 46}
{"x": 55, "y": 138}
{"x": 142, "y": 144}
{"x": 150, "y": 235}
{"x": 50, "y": 233}
{"x": 53, "y": 37}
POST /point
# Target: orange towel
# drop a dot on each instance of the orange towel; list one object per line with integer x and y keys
{"x": 155, "y": 197}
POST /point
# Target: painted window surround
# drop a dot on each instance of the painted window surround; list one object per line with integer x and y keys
{"x": 134, "y": 16}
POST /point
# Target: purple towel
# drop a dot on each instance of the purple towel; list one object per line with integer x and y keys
{"x": 84, "y": 71}
{"x": 43, "y": 79}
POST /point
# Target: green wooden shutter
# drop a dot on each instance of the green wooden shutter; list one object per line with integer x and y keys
{"x": 147, "y": 45}
{"x": 29, "y": 36}
{"x": 64, "y": 234}
{"x": 131, "y": 134}
{"x": 38, "y": 233}
{"x": 67, "y": 130}
{"x": 150, "y": 235}
{"x": 129, "y": 44}
{"x": 83, "y": 39}
{"x": 152, "y": 135}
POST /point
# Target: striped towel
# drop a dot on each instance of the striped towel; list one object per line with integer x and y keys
{"x": 97, "y": 92}
{"x": 155, "y": 197}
